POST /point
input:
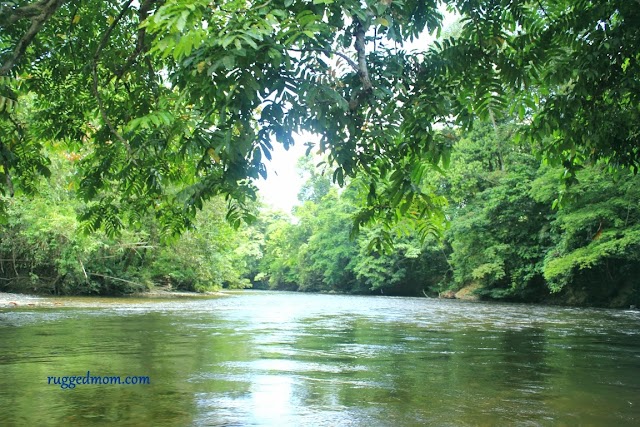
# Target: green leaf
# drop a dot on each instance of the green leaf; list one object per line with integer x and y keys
{"x": 229, "y": 62}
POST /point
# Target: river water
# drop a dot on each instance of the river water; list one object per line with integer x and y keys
{"x": 285, "y": 359}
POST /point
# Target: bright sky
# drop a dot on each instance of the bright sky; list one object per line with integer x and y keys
{"x": 280, "y": 189}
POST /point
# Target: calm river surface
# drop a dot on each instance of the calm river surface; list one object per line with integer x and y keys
{"x": 284, "y": 359}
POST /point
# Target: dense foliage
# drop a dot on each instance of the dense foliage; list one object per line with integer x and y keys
{"x": 45, "y": 249}
{"x": 142, "y": 114}
{"x": 166, "y": 104}
{"x": 504, "y": 240}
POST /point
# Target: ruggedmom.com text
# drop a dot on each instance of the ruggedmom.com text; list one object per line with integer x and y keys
{"x": 71, "y": 381}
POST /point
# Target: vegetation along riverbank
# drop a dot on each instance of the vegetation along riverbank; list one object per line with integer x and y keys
{"x": 500, "y": 160}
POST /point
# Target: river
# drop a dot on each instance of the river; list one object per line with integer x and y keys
{"x": 286, "y": 359}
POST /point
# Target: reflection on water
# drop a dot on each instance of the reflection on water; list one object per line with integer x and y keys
{"x": 259, "y": 358}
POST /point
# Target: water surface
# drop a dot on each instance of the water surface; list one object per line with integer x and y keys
{"x": 261, "y": 358}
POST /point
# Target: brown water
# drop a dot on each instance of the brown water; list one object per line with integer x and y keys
{"x": 282, "y": 359}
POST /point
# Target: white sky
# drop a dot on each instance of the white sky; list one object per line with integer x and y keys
{"x": 280, "y": 189}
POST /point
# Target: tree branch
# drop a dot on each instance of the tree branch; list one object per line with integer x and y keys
{"x": 360, "y": 67}
{"x": 94, "y": 72}
{"x": 363, "y": 71}
{"x": 141, "y": 46}
{"x": 104, "y": 276}
{"x": 11, "y": 16}
{"x": 544, "y": 11}
{"x": 39, "y": 13}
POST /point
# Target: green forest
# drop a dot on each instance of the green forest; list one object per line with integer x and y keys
{"x": 500, "y": 162}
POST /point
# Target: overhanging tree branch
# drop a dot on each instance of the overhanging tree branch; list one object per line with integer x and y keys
{"x": 363, "y": 71}
{"x": 359, "y": 66}
{"x": 94, "y": 73}
{"x": 9, "y": 16}
{"x": 39, "y": 13}
{"x": 141, "y": 45}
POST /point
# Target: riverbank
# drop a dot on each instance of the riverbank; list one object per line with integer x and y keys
{"x": 11, "y": 300}
{"x": 163, "y": 293}
{"x": 17, "y": 300}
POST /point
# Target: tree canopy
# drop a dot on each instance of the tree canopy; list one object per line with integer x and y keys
{"x": 163, "y": 105}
